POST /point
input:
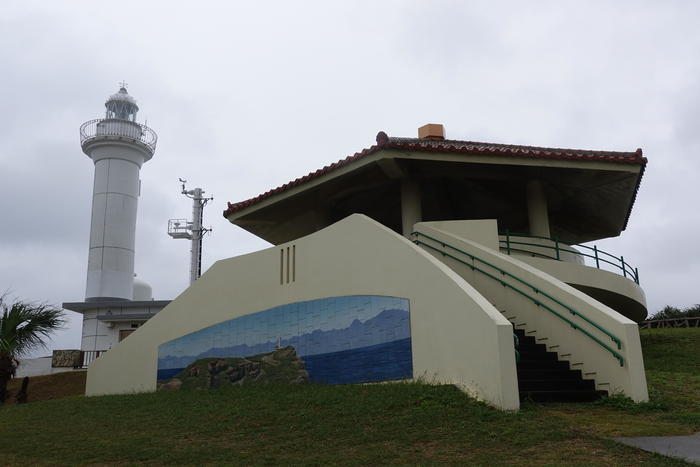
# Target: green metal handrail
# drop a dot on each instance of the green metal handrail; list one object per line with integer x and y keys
{"x": 525, "y": 294}
{"x": 619, "y": 263}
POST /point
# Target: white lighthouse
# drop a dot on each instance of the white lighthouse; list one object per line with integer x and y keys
{"x": 116, "y": 303}
{"x": 118, "y": 145}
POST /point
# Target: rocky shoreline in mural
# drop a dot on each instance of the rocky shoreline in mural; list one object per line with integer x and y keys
{"x": 388, "y": 325}
{"x": 282, "y": 366}
{"x": 336, "y": 340}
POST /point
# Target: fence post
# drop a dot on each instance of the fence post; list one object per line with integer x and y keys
{"x": 636, "y": 276}
{"x": 624, "y": 271}
{"x": 595, "y": 251}
{"x": 508, "y": 241}
{"x": 556, "y": 245}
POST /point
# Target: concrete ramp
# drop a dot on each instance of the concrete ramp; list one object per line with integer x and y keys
{"x": 593, "y": 338}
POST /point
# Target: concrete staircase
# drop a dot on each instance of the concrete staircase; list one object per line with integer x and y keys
{"x": 542, "y": 377}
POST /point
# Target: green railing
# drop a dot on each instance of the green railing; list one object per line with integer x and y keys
{"x": 598, "y": 256}
{"x": 525, "y": 294}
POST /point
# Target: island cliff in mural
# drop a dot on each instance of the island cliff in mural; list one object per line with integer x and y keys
{"x": 332, "y": 340}
{"x": 280, "y": 366}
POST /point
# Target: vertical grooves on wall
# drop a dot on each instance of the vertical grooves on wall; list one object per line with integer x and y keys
{"x": 282, "y": 266}
{"x": 287, "y": 265}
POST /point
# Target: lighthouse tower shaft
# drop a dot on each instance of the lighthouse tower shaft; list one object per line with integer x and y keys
{"x": 118, "y": 146}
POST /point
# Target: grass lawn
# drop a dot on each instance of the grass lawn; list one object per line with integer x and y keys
{"x": 370, "y": 424}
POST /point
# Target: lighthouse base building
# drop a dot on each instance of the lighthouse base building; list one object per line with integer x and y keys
{"x": 417, "y": 259}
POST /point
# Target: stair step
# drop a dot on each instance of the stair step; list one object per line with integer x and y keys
{"x": 532, "y": 347}
{"x": 541, "y": 364}
{"x": 566, "y": 384}
{"x": 547, "y": 373}
{"x": 526, "y": 356}
{"x": 562, "y": 396}
{"x": 542, "y": 377}
{"x": 527, "y": 340}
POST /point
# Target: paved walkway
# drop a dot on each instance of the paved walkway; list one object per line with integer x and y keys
{"x": 685, "y": 447}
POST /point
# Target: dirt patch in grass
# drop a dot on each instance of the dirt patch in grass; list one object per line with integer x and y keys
{"x": 590, "y": 451}
{"x": 610, "y": 422}
{"x": 43, "y": 388}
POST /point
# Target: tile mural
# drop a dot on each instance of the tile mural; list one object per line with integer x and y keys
{"x": 336, "y": 340}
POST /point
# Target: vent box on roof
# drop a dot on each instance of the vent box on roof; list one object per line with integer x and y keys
{"x": 432, "y": 131}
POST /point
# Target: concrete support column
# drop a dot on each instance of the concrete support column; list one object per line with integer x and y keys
{"x": 411, "y": 210}
{"x": 538, "y": 216}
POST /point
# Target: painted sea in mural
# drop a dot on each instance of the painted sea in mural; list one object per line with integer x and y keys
{"x": 332, "y": 341}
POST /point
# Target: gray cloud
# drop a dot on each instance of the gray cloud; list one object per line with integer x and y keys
{"x": 247, "y": 96}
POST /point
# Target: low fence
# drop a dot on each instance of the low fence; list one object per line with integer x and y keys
{"x": 671, "y": 323}
{"x": 89, "y": 356}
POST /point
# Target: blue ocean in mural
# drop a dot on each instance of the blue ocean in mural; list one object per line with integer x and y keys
{"x": 381, "y": 362}
{"x": 339, "y": 340}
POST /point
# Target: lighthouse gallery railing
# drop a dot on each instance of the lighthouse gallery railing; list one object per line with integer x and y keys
{"x": 118, "y": 128}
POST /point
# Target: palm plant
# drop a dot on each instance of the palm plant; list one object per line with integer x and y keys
{"x": 23, "y": 328}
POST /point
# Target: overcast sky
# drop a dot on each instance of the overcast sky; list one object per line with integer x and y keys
{"x": 246, "y": 96}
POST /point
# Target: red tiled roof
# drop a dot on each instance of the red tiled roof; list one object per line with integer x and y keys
{"x": 452, "y": 146}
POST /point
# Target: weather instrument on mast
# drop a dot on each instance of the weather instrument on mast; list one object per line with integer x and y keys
{"x": 192, "y": 230}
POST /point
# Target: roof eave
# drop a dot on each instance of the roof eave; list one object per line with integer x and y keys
{"x": 237, "y": 210}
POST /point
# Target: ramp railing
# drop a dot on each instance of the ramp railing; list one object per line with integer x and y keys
{"x": 523, "y": 288}
{"x": 513, "y": 243}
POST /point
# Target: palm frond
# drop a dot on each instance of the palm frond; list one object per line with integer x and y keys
{"x": 27, "y": 326}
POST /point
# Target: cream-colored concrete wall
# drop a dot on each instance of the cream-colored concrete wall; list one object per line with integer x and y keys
{"x": 583, "y": 353}
{"x": 483, "y": 231}
{"x": 458, "y": 337}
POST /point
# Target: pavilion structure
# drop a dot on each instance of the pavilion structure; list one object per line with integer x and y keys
{"x": 555, "y": 197}
{"x": 418, "y": 258}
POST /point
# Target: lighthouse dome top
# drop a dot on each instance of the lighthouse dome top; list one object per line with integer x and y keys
{"x": 121, "y": 106}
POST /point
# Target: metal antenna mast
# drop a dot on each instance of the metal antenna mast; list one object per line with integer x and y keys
{"x": 192, "y": 230}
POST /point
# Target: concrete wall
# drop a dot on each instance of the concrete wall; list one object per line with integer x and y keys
{"x": 457, "y": 336}
{"x": 582, "y": 352}
{"x": 37, "y": 367}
